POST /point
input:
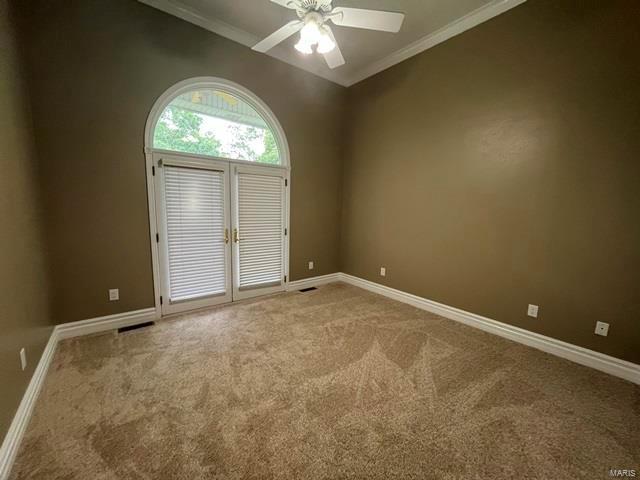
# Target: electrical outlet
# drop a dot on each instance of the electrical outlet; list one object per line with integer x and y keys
{"x": 23, "y": 358}
{"x": 383, "y": 272}
{"x": 114, "y": 294}
{"x": 602, "y": 329}
{"x": 310, "y": 265}
{"x": 532, "y": 311}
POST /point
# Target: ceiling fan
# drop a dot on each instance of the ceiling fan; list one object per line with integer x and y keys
{"x": 312, "y": 23}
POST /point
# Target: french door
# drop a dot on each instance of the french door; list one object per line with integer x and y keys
{"x": 259, "y": 228}
{"x": 221, "y": 231}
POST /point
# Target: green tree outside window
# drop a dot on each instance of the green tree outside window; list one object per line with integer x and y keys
{"x": 179, "y": 130}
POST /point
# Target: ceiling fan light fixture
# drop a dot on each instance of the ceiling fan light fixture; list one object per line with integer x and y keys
{"x": 325, "y": 44}
{"x": 316, "y": 35}
{"x": 310, "y": 33}
{"x": 303, "y": 47}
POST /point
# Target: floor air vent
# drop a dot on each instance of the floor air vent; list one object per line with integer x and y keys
{"x": 137, "y": 326}
{"x": 308, "y": 289}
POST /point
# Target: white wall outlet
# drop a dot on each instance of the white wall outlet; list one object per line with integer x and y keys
{"x": 532, "y": 311}
{"x": 602, "y": 329}
{"x": 383, "y": 272}
{"x": 114, "y": 294}
{"x": 310, "y": 265}
{"x": 23, "y": 358}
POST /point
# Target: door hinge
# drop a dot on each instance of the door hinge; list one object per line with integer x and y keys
{"x": 285, "y": 231}
{"x": 153, "y": 170}
{"x": 157, "y": 238}
{"x": 286, "y": 182}
{"x": 160, "y": 299}
{"x": 285, "y": 278}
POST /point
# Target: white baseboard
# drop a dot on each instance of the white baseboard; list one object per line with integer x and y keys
{"x": 102, "y": 324}
{"x": 18, "y": 426}
{"x": 605, "y": 363}
{"x": 583, "y": 356}
{"x": 313, "y": 281}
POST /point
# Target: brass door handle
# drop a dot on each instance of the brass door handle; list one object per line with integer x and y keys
{"x": 235, "y": 235}
{"x": 226, "y": 235}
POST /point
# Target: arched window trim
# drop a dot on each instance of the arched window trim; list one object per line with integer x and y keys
{"x": 220, "y": 84}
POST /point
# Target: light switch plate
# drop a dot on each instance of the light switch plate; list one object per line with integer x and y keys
{"x": 310, "y": 265}
{"x": 532, "y": 311}
{"x": 383, "y": 272}
{"x": 602, "y": 329}
{"x": 114, "y": 294}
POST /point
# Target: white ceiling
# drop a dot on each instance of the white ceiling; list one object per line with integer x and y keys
{"x": 367, "y": 52}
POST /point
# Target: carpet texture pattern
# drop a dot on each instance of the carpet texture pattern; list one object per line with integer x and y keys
{"x": 333, "y": 383}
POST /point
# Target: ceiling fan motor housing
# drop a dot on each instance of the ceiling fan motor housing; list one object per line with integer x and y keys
{"x": 324, "y": 5}
{"x": 313, "y": 17}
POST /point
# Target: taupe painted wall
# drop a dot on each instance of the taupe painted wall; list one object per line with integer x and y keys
{"x": 502, "y": 168}
{"x": 24, "y": 308}
{"x": 96, "y": 68}
{"x": 492, "y": 171}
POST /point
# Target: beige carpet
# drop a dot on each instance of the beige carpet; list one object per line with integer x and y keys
{"x": 334, "y": 383}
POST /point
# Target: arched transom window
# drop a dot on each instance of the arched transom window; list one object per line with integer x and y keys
{"x": 222, "y": 122}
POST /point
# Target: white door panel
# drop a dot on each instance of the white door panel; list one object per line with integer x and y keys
{"x": 195, "y": 253}
{"x": 259, "y": 222}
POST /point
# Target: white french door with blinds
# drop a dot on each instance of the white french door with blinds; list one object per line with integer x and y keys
{"x": 222, "y": 231}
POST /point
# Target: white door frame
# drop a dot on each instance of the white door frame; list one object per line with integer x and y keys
{"x": 151, "y": 169}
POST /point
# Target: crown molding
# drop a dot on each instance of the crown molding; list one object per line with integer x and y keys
{"x": 472, "y": 19}
{"x": 178, "y": 9}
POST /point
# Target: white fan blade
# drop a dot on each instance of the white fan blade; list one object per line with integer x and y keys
{"x": 278, "y": 36}
{"x": 371, "y": 19}
{"x": 334, "y": 58}
{"x": 293, "y": 4}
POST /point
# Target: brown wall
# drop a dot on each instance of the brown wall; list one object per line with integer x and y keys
{"x": 96, "y": 68}
{"x": 495, "y": 170}
{"x": 502, "y": 168}
{"x": 24, "y": 309}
